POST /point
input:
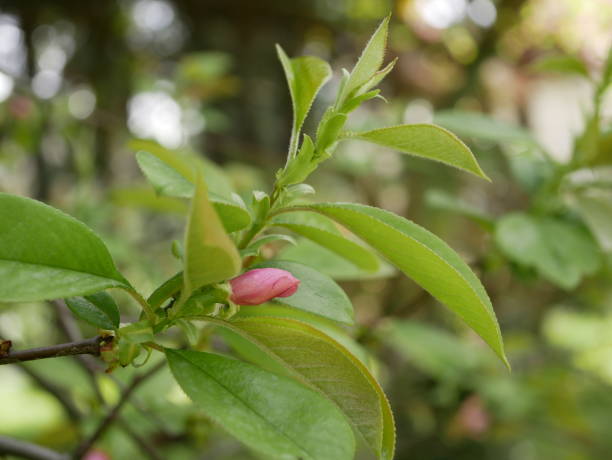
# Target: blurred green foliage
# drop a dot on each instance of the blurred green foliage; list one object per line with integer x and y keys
{"x": 522, "y": 81}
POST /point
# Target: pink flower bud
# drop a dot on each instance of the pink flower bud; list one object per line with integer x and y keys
{"x": 96, "y": 454}
{"x": 262, "y": 284}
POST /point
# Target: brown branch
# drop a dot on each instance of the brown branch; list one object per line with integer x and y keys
{"x": 114, "y": 412}
{"x": 82, "y": 347}
{"x": 9, "y": 446}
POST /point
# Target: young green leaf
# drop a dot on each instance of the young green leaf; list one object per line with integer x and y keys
{"x": 316, "y": 294}
{"x": 271, "y": 414}
{"x": 323, "y": 232}
{"x": 426, "y": 259}
{"x": 369, "y": 62}
{"x": 427, "y": 141}
{"x": 167, "y": 181}
{"x": 322, "y": 363}
{"x": 210, "y": 255}
{"x": 99, "y": 309}
{"x": 305, "y": 77}
{"x": 46, "y": 254}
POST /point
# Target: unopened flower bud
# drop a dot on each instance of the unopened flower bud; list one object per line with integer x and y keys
{"x": 262, "y": 284}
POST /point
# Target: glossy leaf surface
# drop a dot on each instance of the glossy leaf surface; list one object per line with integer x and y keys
{"x": 322, "y": 363}
{"x": 47, "y": 254}
{"x": 426, "y": 259}
{"x": 272, "y": 414}
{"x": 427, "y": 141}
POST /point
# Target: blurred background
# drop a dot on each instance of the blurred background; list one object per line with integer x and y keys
{"x": 521, "y": 81}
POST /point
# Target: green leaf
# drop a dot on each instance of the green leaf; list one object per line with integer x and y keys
{"x": 320, "y": 362}
{"x": 166, "y": 290}
{"x": 305, "y": 77}
{"x": 99, "y": 309}
{"x": 234, "y": 216}
{"x": 263, "y": 240}
{"x": 426, "y": 141}
{"x": 46, "y": 254}
{"x": 316, "y": 294}
{"x": 271, "y": 414}
{"x": 187, "y": 164}
{"x": 210, "y": 255}
{"x": 369, "y": 62}
{"x": 334, "y": 330}
{"x": 480, "y": 126}
{"x": 560, "y": 63}
{"x": 328, "y": 262}
{"x": 167, "y": 181}
{"x": 324, "y": 232}
{"x": 561, "y": 251}
{"x": 143, "y": 197}
{"x": 426, "y": 259}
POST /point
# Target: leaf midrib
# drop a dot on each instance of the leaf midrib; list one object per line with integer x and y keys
{"x": 3, "y": 259}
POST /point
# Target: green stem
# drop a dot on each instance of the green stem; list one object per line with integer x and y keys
{"x": 151, "y": 316}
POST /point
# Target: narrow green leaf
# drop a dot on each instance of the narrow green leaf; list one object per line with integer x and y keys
{"x": 312, "y": 254}
{"x": 271, "y": 414}
{"x": 322, "y": 363}
{"x": 369, "y": 62}
{"x": 210, "y": 255}
{"x": 426, "y": 259}
{"x": 316, "y": 294}
{"x": 256, "y": 245}
{"x": 46, "y": 254}
{"x": 427, "y": 141}
{"x": 164, "y": 291}
{"x": 187, "y": 164}
{"x": 305, "y": 77}
{"x": 165, "y": 179}
{"x": 328, "y": 236}
{"x": 99, "y": 309}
